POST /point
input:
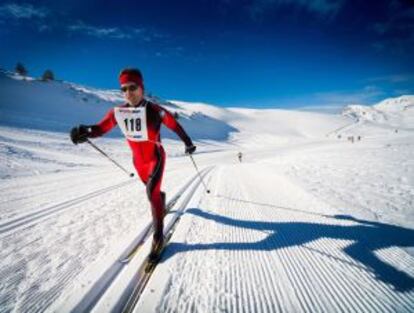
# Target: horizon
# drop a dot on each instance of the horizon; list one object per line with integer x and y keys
{"x": 253, "y": 54}
{"x": 335, "y": 109}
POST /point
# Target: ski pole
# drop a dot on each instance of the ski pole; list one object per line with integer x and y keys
{"x": 113, "y": 161}
{"x": 199, "y": 175}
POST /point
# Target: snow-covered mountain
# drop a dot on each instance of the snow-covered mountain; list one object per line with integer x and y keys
{"x": 395, "y": 112}
{"x": 307, "y": 221}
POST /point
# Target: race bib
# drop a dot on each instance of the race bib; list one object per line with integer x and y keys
{"x": 133, "y": 122}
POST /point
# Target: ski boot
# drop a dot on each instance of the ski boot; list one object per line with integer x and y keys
{"x": 156, "y": 248}
{"x": 157, "y": 242}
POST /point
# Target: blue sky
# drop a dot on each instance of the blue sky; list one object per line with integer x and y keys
{"x": 257, "y": 53}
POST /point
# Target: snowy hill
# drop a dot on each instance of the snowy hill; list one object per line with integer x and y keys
{"x": 394, "y": 112}
{"x": 306, "y": 221}
{"x": 58, "y": 106}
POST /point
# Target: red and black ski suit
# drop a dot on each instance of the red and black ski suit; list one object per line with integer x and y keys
{"x": 148, "y": 156}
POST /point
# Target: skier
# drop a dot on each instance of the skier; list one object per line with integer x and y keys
{"x": 140, "y": 121}
{"x": 240, "y": 155}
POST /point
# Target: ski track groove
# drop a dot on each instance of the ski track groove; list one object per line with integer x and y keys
{"x": 327, "y": 276}
{"x": 292, "y": 273}
{"x": 289, "y": 268}
{"x": 56, "y": 239}
{"x": 320, "y": 273}
{"x": 353, "y": 278}
{"x": 255, "y": 274}
{"x": 348, "y": 298}
{"x": 188, "y": 186}
{"x": 260, "y": 272}
{"x": 306, "y": 298}
{"x": 391, "y": 255}
{"x": 323, "y": 276}
{"x": 305, "y": 301}
{"x": 98, "y": 175}
{"x": 35, "y": 301}
{"x": 304, "y": 294}
{"x": 239, "y": 237}
{"x": 45, "y": 213}
{"x": 270, "y": 260}
{"x": 67, "y": 277}
{"x": 39, "y": 185}
{"x": 385, "y": 294}
{"x": 262, "y": 298}
{"x": 375, "y": 302}
{"x": 230, "y": 274}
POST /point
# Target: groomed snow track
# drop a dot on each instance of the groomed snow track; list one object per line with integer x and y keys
{"x": 121, "y": 285}
{"x": 261, "y": 243}
{"x": 28, "y": 219}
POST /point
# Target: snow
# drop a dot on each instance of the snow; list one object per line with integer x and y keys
{"x": 309, "y": 221}
{"x": 396, "y": 112}
{"x": 246, "y": 249}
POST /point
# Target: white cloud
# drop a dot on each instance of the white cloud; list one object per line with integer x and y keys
{"x": 335, "y": 101}
{"x": 366, "y": 95}
{"x": 42, "y": 20}
{"x": 115, "y": 32}
{"x": 100, "y": 32}
{"x": 44, "y": 28}
{"x": 325, "y": 8}
{"x": 22, "y": 11}
{"x": 396, "y": 78}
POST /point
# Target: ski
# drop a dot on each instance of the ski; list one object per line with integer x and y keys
{"x": 147, "y": 232}
{"x": 135, "y": 250}
{"x": 152, "y": 262}
{"x": 147, "y": 270}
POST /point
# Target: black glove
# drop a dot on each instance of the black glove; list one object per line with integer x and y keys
{"x": 189, "y": 149}
{"x": 80, "y": 134}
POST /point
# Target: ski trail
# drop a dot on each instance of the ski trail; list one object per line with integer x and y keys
{"x": 251, "y": 247}
{"x": 28, "y": 219}
{"x": 23, "y": 196}
{"x": 108, "y": 284}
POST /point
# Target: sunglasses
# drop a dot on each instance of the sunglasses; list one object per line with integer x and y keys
{"x": 130, "y": 88}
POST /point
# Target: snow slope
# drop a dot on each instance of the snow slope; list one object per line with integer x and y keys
{"x": 58, "y": 106}
{"x": 278, "y": 248}
{"x": 309, "y": 221}
{"x": 395, "y": 112}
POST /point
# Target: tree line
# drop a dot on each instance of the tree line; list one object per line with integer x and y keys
{"x": 48, "y": 75}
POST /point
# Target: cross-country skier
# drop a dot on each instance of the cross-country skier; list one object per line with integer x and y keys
{"x": 140, "y": 121}
{"x": 240, "y": 156}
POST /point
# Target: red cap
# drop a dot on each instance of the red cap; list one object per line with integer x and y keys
{"x": 129, "y": 77}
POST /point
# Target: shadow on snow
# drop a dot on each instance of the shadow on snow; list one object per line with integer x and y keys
{"x": 367, "y": 237}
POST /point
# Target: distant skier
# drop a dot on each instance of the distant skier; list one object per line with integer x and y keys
{"x": 240, "y": 156}
{"x": 140, "y": 121}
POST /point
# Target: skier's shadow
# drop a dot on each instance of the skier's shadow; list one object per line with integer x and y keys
{"x": 367, "y": 237}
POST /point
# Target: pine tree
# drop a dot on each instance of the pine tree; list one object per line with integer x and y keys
{"x": 48, "y": 75}
{"x": 20, "y": 69}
